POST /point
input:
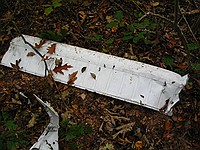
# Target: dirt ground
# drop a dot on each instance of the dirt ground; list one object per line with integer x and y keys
{"x": 94, "y": 121}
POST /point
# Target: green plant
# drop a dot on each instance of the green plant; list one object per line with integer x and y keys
{"x": 195, "y": 66}
{"x": 10, "y": 137}
{"x": 50, "y": 35}
{"x": 138, "y": 31}
{"x": 50, "y": 7}
{"x": 168, "y": 61}
{"x": 193, "y": 46}
{"x": 117, "y": 22}
{"x": 74, "y": 131}
{"x": 95, "y": 38}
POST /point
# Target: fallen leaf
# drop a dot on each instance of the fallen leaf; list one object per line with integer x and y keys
{"x": 108, "y": 146}
{"x": 180, "y": 118}
{"x": 138, "y": 145}
{"x": 3, "y": 38}
{"x": 46, "y": 58}
{"x": 181, "y": 66}
{"x": 168, "y": 135}
{"x": 40, "y": 44}
{"x": 83, "y": 96}
{"x": 123, "y": 129}
{"x": 60, "y": 68}
{"x": 93, "y": 75}
{"x": 1, "y": 84}
{"x": 172, "y": 43}
{"x": 82, "y": 15}
{"x": 83, "y": 69}
{"x": 154, "y": 4}
{"x": 30, "y": 54}
{"x": 103, "y": 7}
{"x": 75, "y": 106}
{"x": 50, "y": 78}
{"x": 14, "y": 101}
{"x": 114, "y": 29}
{"x": 93, "y": 27}
{"x": 65, "y": 115}
{"x": 72, "y": 78}
{"x": 7, "y": 16}
{"x": 168, "y": 125}
{"x": 32, "y": 122}
{"x": 58, "y": 62}
{"x": 16, "y": 65}
{"x": 51, "y": 49}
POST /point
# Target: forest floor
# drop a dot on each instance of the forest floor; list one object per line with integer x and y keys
{"x": 89, "y": 120}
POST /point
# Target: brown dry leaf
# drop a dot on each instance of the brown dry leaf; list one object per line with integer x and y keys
{"x": 93, "y": 75}
{"x": 65, "y": 115}
{"x": 83, "y": 96}
{"x": 181, "y": 66}
{"x": 93, "y": 27}
{"x": 7, "y": 16}
{"x": 46, "y": 58}
{"x": 82, "y": 15}
{"x": 72, "y": 78}
{"x": 51, "y": 49}
{"x": 104, "y": 7}
{"x": 83, "y": 69}
{"x": 14, "y": 101}
{"x": 30, "y": 54}
{"x": 32, "y": 122}
{"x": 172, "y": 43}
{"x": 154, "y": 4}
{"x": 58, "y": 62}
{"x": 75, "y": 106}
{"x": 124, "y": 129}
{"x": 114, "y": 29}
{"x": 60, "y": 68}
{"x": 3, "y": 38}
{"x": 168, "y": 135}
{"x": 16, "y": 65}
{"x": 50, "y": 79}
{"x": 108, "y": 146}
{"x": 168, "y": 125}
{"x": 138, "y": 145}
{"x": 40, "y": 44}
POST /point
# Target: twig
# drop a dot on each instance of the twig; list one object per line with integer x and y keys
{"x": 182, "y": 13}
{"x": 159, "y": 16}
{"x": 192, "y": 12}
{"x": 176, "y": 4}
{"x": 45, "y": 63}
{"x": 180, "y": 33}
{"x": 138, "y": 6}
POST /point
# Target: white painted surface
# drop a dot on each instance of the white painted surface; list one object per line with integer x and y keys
{"x": 120, "y": 78}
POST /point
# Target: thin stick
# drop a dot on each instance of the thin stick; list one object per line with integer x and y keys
{"x": 45, "y": 63}
{"x": 180, "y": 33}
{"x": 182, "y": 13}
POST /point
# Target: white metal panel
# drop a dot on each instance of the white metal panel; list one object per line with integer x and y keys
{"x": 117, "y": 77}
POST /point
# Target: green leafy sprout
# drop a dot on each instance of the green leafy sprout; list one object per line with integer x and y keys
{"x": 50, "y": 7}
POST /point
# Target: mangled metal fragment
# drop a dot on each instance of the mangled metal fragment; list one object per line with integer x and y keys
{"x": 49, "y": 138}
{"x": 120, "y": 78}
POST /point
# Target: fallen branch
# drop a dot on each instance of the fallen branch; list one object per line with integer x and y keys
{"x": 45, "y": 63}
{"x": 180, "y": 33}
{"x": 20, "y": 34}
{"x": 182, "y": 13}
{"x": 192, "y": 12}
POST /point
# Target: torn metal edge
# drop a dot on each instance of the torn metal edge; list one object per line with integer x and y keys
{"x": 49, "y": 138}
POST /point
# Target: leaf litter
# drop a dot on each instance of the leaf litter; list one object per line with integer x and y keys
{"x": 61, "y": 68}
